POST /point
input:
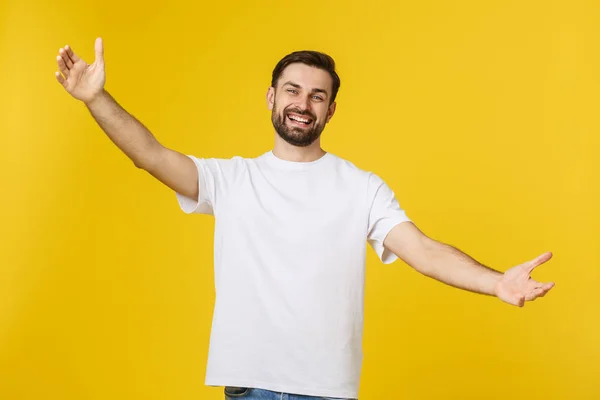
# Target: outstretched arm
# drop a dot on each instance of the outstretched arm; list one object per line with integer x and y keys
{"x": 453, "y": 267}
{"x": 85, "y": 82}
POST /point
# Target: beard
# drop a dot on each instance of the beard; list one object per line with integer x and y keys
{"x": 295, "y": 135}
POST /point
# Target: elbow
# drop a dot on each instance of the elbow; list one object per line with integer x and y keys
{"x": 145, "y": 163}
{"x": 150, "y": 159}
{"x": 426, "y": 260}
{"x": 139, "y": 164}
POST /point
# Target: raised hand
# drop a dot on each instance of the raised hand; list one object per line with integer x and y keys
{"x": 516, "y": 286}
{"x": 82, "y": 80}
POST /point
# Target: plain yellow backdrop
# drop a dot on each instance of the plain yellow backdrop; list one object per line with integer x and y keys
{"x": 481, "y": 115}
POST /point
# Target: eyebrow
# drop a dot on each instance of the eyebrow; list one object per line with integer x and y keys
{"x": 314, "y": 90}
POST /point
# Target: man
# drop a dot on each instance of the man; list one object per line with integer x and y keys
{"x": 290, "y": 237}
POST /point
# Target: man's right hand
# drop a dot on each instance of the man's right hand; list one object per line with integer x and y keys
{"x": 81, "y": 80}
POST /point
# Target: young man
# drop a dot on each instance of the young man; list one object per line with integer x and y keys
{"x": 290, "y": 236}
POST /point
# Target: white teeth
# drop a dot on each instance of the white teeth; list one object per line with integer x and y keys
{"x": 298, "y": 119}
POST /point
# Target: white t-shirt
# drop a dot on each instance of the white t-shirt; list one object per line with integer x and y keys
{"x": 289, "y": 258}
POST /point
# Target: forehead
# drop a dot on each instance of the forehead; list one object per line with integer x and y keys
{"x": 307, "y": 77}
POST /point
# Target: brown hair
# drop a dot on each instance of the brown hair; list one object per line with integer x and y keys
{"x": 310, "y": 58}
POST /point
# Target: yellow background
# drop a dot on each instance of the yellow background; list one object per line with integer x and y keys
{"x": 481, "y": 115}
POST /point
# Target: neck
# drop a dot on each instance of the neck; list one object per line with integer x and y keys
{"x": 288, "y": 152}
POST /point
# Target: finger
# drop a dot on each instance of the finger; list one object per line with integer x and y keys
{"x": 59, "y": 78}
{"x": 517, "y": 300}
{"x": 535, "y": 294}
{"x": 99, "y": 50}
{"x": 71, "y": 54}
{"x": 539, "y": 260}
{"x": 62, "y": 67}
{"x": 532, "y": 284}
{"x": 548, "y": 286}
{"x": 65, "y": 58}
{"x": 540, "y": 291}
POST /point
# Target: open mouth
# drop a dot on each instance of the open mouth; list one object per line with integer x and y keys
{"x": 299, "y": 120}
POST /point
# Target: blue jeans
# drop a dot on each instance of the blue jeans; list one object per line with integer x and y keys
{"x": 232, "y": 393}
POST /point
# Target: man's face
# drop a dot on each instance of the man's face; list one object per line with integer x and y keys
{"x": 300, "y": 104}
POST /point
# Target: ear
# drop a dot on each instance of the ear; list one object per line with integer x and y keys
{"x": 270, "y": 97}
{"x": 331, "y": 110}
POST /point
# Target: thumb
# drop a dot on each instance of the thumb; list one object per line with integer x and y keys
{"x": 539, "y": 260}
{"x": 99, "y": 50}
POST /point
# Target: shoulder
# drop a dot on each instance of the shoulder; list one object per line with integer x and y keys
{"x": 370, "y": 177}
{"x": 223, "y": 168}
{"x": 350, "y": 167}
{"x": 225, "y": 161}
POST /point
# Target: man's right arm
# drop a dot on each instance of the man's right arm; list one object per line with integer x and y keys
{"x": 175, "y": 170}
{"x": 85, "y": 82}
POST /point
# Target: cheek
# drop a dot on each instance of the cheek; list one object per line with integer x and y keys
{"x": 281, "y": 105}
{"x": 323, "y": 114}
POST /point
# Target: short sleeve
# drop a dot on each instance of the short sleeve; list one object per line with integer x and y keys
{"x": 384, "y": 214}
{"x": 215, "y": 176}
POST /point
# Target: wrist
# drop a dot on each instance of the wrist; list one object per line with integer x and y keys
{"x": 497, "y": 278}
{"x": 95, "y": 99}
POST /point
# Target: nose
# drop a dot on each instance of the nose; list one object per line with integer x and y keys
{"x": 304, "y": 103}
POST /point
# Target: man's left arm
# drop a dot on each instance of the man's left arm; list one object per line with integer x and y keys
{"x": 453, "y": 267}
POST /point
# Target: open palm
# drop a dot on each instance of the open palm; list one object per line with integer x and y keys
{"x": 517, "y": 286}
{"x": 80, "y": 79}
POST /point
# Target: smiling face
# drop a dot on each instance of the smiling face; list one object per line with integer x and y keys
{"x": 300, "y": 104}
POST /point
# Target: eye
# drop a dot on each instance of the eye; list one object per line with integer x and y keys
{"x": 318, "y": 98}
{"x": 292, "y": 91}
